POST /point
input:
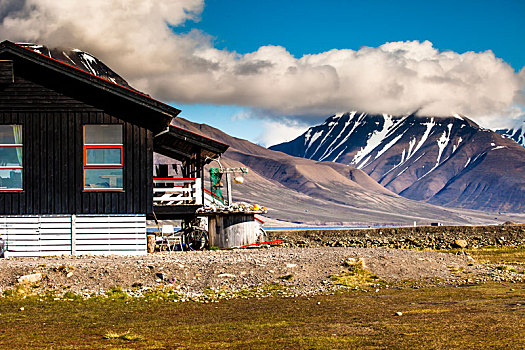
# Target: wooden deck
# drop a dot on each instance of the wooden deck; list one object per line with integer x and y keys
{"x": 177, "y": 198}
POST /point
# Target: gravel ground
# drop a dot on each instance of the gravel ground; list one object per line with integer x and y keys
{"x": 192, "y": 273}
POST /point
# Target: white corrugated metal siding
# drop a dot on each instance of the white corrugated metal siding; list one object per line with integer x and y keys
{"x": 73, "y": 234}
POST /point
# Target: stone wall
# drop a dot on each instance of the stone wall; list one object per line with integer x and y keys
{"x": 441, "y": 237}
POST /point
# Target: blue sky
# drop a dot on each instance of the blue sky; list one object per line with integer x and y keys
{"x": 305, "y": 27}
{"x": 265, "y": 70}
{"x": 309, "y": 27}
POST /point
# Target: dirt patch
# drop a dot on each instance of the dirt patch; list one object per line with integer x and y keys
{"x": 300, "y": 270}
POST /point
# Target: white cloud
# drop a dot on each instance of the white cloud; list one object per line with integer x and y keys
{"x": 274, "y": 132}
{"x": 242, "y": 115}
{"x": 134, "y": 39}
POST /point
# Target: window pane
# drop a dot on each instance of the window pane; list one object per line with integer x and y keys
{"x": 10, "y": 179}
{"x": 10, "y": 156}
{"x": 103, "y": 134}
{"x": 10, "y": 134}
{"x": 103, "y": 178}
{"x": 103, "y": 156}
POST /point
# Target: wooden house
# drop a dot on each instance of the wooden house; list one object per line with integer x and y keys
{"x": 76, "y": 160}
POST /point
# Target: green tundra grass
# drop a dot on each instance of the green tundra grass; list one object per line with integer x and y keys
{"x": 489, "y": 315}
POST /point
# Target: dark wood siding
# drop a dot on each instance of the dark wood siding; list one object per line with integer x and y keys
{"x": 6, "y": 72}
{"x": 52, "y": 154}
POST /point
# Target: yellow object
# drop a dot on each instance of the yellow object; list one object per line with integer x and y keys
{"x": 238, "y": 179}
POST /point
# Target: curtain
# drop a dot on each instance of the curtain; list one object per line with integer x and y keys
{"x": 17, "y": 130}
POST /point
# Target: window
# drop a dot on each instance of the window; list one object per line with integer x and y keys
{"x": 11, "y": 158}
{"x": 103, "y": 157}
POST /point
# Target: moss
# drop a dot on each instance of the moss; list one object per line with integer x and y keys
{"x": 356, "y": 276}
{"x": 427, "y": 311}
{"x": 495, "y": 255}
{"x": 445, "y": 317}
{"x": 71, "y": 296}
{"x": 286, "y": 277}
{"x": 116, "y": 293}
{"x": 123, "y": 336}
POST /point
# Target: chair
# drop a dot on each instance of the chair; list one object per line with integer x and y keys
{"x": 170, "y": 239}
{"x": 174, "y": 240}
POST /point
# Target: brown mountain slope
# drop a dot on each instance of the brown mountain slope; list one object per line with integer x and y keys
{"x": 321, "y": 192}
{"x": 307, "y": 191}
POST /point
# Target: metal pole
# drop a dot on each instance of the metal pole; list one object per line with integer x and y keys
{"x": 229, "y": 184}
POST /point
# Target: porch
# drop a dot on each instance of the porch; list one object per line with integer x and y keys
{"x": 180, "y": 197}
{"x": 178, "y": 179}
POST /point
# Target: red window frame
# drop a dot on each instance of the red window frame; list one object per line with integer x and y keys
{"x": 13, "y": 167}
{"x": 99, "y": 166}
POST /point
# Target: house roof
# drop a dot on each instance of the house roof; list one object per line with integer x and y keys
{"x": 159, "y": 113}
{"x": 171, "y": 141}
{"x": 182, "y": 144}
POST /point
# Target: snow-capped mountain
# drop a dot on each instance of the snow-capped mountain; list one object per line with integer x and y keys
{"x": 517, "y": 133}
{"x": 449, "y": 161}
{"x": 81, "y": 60}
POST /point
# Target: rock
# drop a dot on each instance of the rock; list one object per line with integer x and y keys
{"x": 460, "y": 243}
{"x": 30, "y": 279}
{"x": 290, "y": 266}
{"x": 227, "y": 275}
{"x": 69, "y": 274}
{"x": 160, "y": 275}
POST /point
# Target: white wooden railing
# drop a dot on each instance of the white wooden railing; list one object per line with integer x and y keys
{"x": 177, "y": 191}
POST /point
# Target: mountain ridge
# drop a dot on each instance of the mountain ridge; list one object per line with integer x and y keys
{"x": 516, "y": 133}
{"x": 81, "y": 60}
{"x": 423, "y": 158}
{"x": 307, "y": 191}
